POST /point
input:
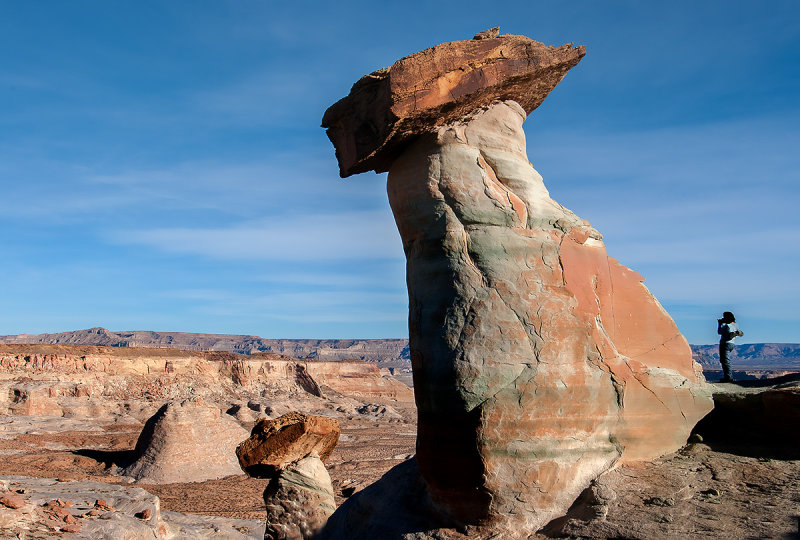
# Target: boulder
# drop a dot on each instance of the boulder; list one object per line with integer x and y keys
{"x": 539, "y": 362}
{"x": 32, "y": 400}
{"x": 275, "y": 444}
{"x": 299, "y": 500}
{"x": 390, "y": 107}
{"x": 188, "y": 441}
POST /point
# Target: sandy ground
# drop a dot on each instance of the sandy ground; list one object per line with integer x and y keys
{"x": 732, "y": 489}
{"x": 366, "y": 450}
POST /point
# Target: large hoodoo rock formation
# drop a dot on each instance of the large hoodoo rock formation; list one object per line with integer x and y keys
{"x": 539, "y": 362}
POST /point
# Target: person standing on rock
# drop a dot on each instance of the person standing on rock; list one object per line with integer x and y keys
{"x": 728, "y": 331}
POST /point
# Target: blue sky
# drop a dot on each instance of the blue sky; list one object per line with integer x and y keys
{"x": 162, "y": 165}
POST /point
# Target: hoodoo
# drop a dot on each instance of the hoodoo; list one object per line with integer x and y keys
{"x": 539, "y": 362}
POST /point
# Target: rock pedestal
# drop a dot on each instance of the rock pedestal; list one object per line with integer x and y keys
{"x": 299, "y": 500}
{"x": 539, "y": 362}
{"x": 289, "y": 450}
{"x": 274, "y": 444}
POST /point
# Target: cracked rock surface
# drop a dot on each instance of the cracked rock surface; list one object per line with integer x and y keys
{"x": 299, "y": 500}
{"x": 539, "y": 362}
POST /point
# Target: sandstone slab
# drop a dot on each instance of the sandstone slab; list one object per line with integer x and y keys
{"x": 390, "y": 107}
{"x": 274, "y": 444}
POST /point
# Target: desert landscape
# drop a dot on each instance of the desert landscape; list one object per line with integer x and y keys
{"x": 543, "y": 390}
{"x": 72, "y": 416}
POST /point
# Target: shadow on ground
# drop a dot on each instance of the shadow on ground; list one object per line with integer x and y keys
{"x": 755, "y": 418}
{"x": 120, "y": 458}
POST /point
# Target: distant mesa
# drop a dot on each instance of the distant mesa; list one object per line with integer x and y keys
{"x": 539, "y": 362}
{"x": 388, "y": 352}
{"x": 392, "y": 353}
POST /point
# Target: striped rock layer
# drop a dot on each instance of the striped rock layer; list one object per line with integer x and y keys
{"x": 539, "y": 362}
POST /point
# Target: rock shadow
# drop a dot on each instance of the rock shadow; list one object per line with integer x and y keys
{"x": 109, "y": 458}
{"x": 767, "y": 382}
{"x": 755, "y": 418}
{"x": 396, "y": 507}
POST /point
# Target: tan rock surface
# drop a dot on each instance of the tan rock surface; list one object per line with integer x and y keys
{"x": 75, "y": 371}
{"x": 539, "y": 362}
{"x": 95, "y": 510}
{"x": 32, "y": 400}
{"x": 299, "y": 501}
{"x": 696, "y": 493}
{"x": 274, "y": 444}
{"x": 186, "y": 442}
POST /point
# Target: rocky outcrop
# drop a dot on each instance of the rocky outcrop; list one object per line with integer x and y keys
{"x": 358, "y": 380}
{"x": 757, "y": 418}
{"x": 274, "y": 444}
{"x": 186, "y": 442}
{"x": 30, "y": 399}
{"x": 299, "y": 500}
{"x": 539, "y": 362}
{"x": 48, "y": 508}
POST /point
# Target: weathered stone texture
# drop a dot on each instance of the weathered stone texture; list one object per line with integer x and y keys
{"x": 539, "y": 362}
{"x": 299, "y": 500}
{"x": 274, "y": 444}
{"x": 188, "y": 441}
{"x": 92, "y": 510}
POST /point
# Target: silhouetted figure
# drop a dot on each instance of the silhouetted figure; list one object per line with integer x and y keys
{"x": 728, "y": 331}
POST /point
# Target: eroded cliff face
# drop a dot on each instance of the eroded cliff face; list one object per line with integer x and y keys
{"x": 538, "y": 361}
{"x": 31, "y": 376}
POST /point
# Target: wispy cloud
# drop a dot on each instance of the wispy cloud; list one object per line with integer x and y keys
{"x": 304, "y": 237}
{"x": 281, "y": 182}
{"x": 347, "y": 305}
{"x": 263, "y": 98}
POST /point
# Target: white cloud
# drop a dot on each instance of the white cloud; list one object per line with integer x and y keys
{"x": 304, "y": 237}
{"x": 340, "y": 306}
